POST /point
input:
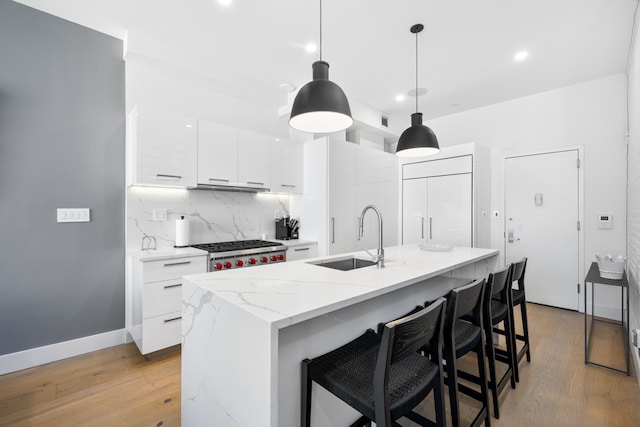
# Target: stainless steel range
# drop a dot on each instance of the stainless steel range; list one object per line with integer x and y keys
{"x": 243, "y": 253}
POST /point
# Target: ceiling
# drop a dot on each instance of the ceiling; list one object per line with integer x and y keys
{"x": 466, "y": 51}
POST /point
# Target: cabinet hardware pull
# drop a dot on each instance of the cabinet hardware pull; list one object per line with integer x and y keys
{"x": 431, "y": 228}
{"x": 422, "y": 227}
{"x": 171, "y": 320}
{"x": 173, "y": 286}
{"x": 288, "y": 185}
{"x": 255, "y": 183}
{"x": 218, "y": 179}
{"x": 177, "y": 263}
{"x": 161, "y": 175}
{"x": 301, "y": 249}
{"x": 333, "y": 230}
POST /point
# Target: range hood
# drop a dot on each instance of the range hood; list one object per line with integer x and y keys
{"x": 242, "y": 188}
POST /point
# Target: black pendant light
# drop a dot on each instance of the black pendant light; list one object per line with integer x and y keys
{"x": 320, "y": 106}
{"x": 418, "y": 140}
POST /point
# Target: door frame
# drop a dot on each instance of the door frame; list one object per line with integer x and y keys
{"x": 581, "y": 250}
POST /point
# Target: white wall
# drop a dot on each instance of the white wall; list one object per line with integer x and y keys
{"x": 633, "y": 192}
{"x": 591, "y": 115}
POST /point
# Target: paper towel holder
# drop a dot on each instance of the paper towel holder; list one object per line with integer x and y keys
{"x": 182, "y": 233}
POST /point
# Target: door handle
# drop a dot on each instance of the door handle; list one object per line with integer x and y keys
{"x": 431, "y": 228}
{"x": 422, "y": 227}
{"x": 333, "y": 230}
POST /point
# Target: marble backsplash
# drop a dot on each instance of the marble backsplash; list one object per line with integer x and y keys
{"x": 214, "y": 216}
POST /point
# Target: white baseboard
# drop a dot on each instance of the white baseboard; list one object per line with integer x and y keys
{"x": 51, "y": 353}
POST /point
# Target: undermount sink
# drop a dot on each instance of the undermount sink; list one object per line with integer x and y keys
{"x": 344, "y": 264}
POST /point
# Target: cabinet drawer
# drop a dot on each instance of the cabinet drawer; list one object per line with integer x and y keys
{"x": 161, "y": 297}
{"x": 161, "y": 332}
{"x": 301, "y": 252}
{"x": 168, "y": 269}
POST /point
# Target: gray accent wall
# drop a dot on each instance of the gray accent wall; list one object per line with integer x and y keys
{"x": 62, "y": 145}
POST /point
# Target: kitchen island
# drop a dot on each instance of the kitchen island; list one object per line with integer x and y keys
{"x": 246, "y": 331}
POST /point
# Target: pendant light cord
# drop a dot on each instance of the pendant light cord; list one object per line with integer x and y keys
{"x": 320, "y": 30}
{"x": 416, "y": 72}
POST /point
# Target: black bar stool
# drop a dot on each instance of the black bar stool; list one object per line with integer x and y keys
{"x": 497, "y": 300}
{"x": 519, "y": 298}
{"x": 460, "y": 337}
{"x": 383, "y": 376}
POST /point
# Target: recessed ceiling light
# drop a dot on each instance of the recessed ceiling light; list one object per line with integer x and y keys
{"x": 400, "y": 97}
{"x": 224, "y": 2}
{"x": 521, "y": 56}
{"x": 419, "y": 91}
{"x": 311, "y": 47}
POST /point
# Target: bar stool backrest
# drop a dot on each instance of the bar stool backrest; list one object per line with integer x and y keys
{"x": 517, "y": 272}
{"x": 500, "y": 281}
{"x": 465, "y": 300}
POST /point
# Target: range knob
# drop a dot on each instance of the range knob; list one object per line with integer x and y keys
{"x": 227, "y": 264}
{"x": 274, "y": 258}
{"x": 281, "y": 257}
{"x": 218, "y": 266}
{"x": 252, "y": 261}
{"x": 264, "y": 259}
{"x": 239, "y": 263}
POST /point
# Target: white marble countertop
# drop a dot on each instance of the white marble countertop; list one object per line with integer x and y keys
{"x": 283, "y": 294}
{"x": 164, "y": 253}
{"x": 295, "y": 242}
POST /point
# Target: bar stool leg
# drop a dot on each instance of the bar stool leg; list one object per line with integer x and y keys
{"x": 305, "y": 396}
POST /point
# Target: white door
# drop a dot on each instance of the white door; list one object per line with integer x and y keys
{"x": 449, "y": 208}
{"x": 414, "y": 211}
{"x": 541, "y": 216}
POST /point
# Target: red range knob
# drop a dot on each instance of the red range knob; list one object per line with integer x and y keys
{"x": 274, "y": 258}
{"x": 239, "y": 263}
{"x": 281, "y": 257}
{"x": 218, "y": 266}
{"x": 264, "y": 259}
{"x": 252, "y": 261}
{"x": 227, "y": 264}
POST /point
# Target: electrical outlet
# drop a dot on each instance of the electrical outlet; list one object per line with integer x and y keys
{"x": 159, "y": 214}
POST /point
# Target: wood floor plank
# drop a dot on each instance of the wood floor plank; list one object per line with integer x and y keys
{"x": 119, "y": 387}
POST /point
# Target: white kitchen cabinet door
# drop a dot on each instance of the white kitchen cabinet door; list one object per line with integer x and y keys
{"x": 287, "y": 158}
{"x": 449, "y": 210}
{"x": 414, "y": 211}
{"x": 254, "y": 159}
{"x": 164, "y": 149}
{"x": 217, "y": 154}
{"x": 342, "y": 225}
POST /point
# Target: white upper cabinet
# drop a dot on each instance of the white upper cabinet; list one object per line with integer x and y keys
{"x": 287, "y": 158}
{"x": 217, "y": 154}
{"x": 254, "y": 159}
{"x": 163, "y": 149}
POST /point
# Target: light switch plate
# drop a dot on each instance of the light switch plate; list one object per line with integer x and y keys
{"x": 73, "y": 214}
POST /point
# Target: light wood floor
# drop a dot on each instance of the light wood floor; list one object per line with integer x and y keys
{"x": 118, "y": 387}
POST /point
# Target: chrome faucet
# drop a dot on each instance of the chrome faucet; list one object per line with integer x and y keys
{"x": 379, "y": 258}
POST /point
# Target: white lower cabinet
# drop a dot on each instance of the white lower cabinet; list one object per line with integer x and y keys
{"x": 157, "y": 300}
